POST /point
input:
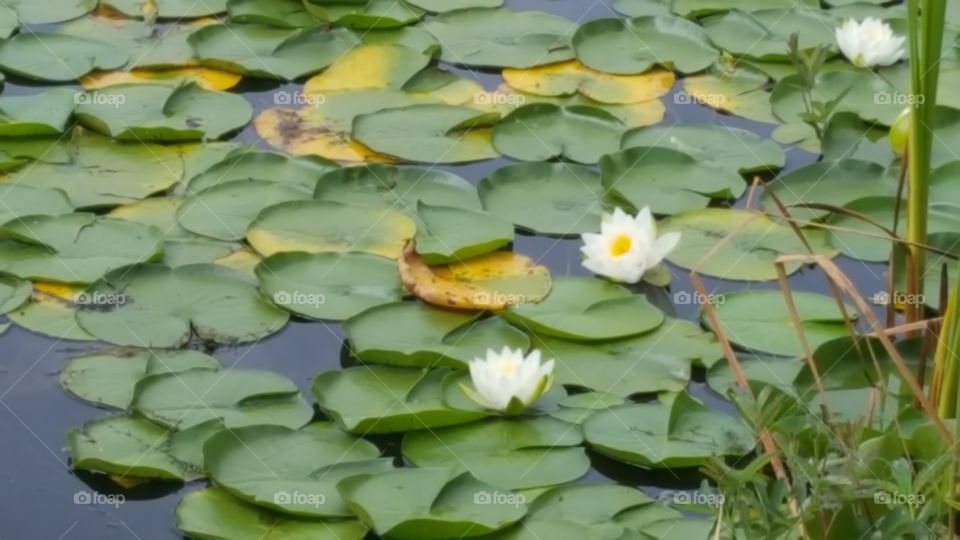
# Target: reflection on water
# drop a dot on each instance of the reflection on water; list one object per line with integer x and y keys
{"x": 37, "y": 488}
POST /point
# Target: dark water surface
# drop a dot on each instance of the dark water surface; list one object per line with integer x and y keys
{"x": 38, "y": 488}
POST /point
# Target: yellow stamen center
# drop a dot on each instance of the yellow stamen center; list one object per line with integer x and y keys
{"x": 508, "y": 369}
{"x": 620, "y": 245}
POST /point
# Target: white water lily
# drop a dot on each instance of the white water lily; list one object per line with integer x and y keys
{"x": 508, "y": 381}
{"x": 627, "y": 247}
{"x": 870, "y": 43}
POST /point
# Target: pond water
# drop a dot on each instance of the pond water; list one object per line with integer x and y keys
{"x": 38, "y": 488}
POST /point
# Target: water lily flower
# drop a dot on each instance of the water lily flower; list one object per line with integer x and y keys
{"x": 627, "y": 247}
{"x": 870, "y": 43}
{"x": 508, "y": 381}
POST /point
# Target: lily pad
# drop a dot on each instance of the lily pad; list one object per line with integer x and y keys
{"x": 51, "y": 311}
{"x": 264, "y": 166}
{"x": 699, "y": 8}
{"x": 37, "y": 115}
{"x": 763, "y": 34}
{"x": 542, "y": 131}
{"x": 372, "y": 65}
{"x": 50, "y": 11}
{"x": 867, "y": 241}
{"x": 846, "y": 136}
{"x": 451, "y": 234}
{"x": 279, "y": 13}
{"x": 164, "y": 307}
{"x": 214, "y": 513}
{"x": 774, "y": 371}
{"x": 161, "y": 112}
{"x": 414, "y": 334}
{"x": 269, "y": 52}
{"x": 829, "y": 182}
{"x": 226, "y": 210}
{"x": 384, "y": 186}
{"x": 366, "y": 14}
{"x": 667, "y": 180}
{"x": 427, "y": 504}
{"x": 494, "y": 281}
{"x": 238, "y": 397}
{"x": 13, "y": 292}
{"x": 740, "y": 91}
{"x": 680, "y": 433}
{"x": 331, "y": 286}
{"x": 168, "y": 9}
{"x": 55, "y": 57}
{"x": 631, "y": 46}
{"x": 567, "y": 78}
{"x": 727, "y": 147}
{"x": 641, "y": 8}
{"x": 859, "y": 91}
{"x": 587, "y": 309}
{"x": 101, "y": 172}
{"x": 108, "y": 377}
{"x": 443, "y": 6}
{"x": 547, "y": 198}
{"x": 659, "y": 361}
{"x": 74, "y": 248}
{"x": 293, "y": 471}
{"x": 321, "y": 227}
{"x": 20, "y": 201}
{"x": 383, "y": 399}
{"x": 428, "y": 133}
{"x": 509, "y": 453}
{"x": 502, "y": 37}
{"x": 749, "y": 255}
{"x": 758, "y": 320}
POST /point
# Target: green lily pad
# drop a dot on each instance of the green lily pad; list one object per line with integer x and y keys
{"x": 214, "y": 513}
{"x": 659, "y": 361}
{"x": 547, "y": 198}
{"x": 74, "y": 248}
{"x": 15, "y": 153}
{"x": 128, "y": 446}
{"x": 37, "y": 115}
{"x": 50, "y": 11}
{"x": 738, "y": 90}
{"x": 699, "y": 8}
{"x": 507, "y": 453}
{"x": 846, "y": 136}
{"x": 51, "y": 312}
{"x": 146, "y": 46}
{"x": 758, "y": 320}
{"x": 443, "y": 6}
{"x": 763, "y": 34}
{"x": 727, "y": 147}
{"x": 773, "y": 371}
{"x": 161, "y": 112}
{"x": 226, "y": 210}
{"x": 680, "y": 433}
{"x": 269, "y": 52}
{"x": 859, "y": 91}
{"x": 630, "y": 46}
{"x": 666, "y": 180}
{"x": 169, "y": 9}
{"x": 264, "y": 166}
{"x": 395, "y": 188}
{"x": 164, "y": 307}
{"x": 414, "y": 334}
{"x": 108, "y": 377}
{"x": 331, "y": 286}
{"x": 577, "y": 408}
{"x": 587, "y": 309}
{"x": 293, "y": 471}
{"x": 835, "y": 183}
{"x": 368, "y": 14}
{"x": 642, "y": 8}
{"x": 543, "y": 131}
{"x": 279, "y": 13}
{"x": 238, "y": 397}
{"x": 101, "y": 172}
{"x": 9, "y": 22}
{"x": 427, "y": 504}
{"x": 13, "y": 292}
{"x": 452, "y": 234}
{"x": 321, "y": 227}
{"x": 383, "y": 399}
{"x": 21, "y": 201}
{"x": 54, "y": 57}
{"x": 429, "y": 133}
{"x": 750, "y": 255}
{"x": 502, "y": 37}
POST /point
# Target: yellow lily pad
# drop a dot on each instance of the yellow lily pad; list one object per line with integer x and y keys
{"x": 377, "y": 65}
{"x": 206, "y": 78}
{"x": 572, "y": 77}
